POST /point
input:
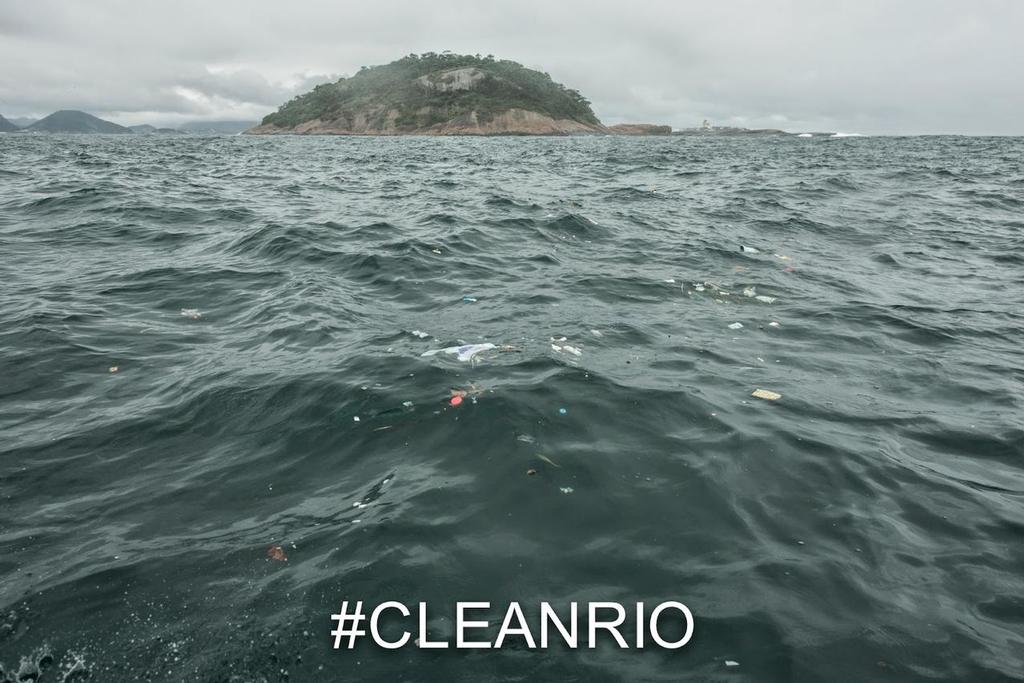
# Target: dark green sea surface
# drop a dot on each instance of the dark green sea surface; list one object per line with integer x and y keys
{"x": 256, "y": 295}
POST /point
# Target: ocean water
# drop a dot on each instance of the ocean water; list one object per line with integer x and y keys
{"x": 189, "y": 328}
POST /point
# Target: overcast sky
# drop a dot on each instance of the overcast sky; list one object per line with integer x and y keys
{"x": 866, "y": 66}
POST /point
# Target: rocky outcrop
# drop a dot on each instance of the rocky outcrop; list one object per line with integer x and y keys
{"x": 452, "y": 80}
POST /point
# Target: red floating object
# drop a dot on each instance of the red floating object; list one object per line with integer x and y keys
{"x": 456, "y": 400}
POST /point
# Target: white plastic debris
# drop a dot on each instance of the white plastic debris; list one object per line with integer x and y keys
{"x": 556, "y": 348}
{"x": 191, "y": 313}
{"x": 749, "y": 250}
{"x": 566, "y": 489}
{"x": 420, "y": 333}
{"x": 750, "y": 292}
{"x": 765, "y": 299}
{"x": 736, "y": 326}
{"x": 730, "y": 662}
{"x": 573, "y": 350}
{"x": 463, "y": 353}
{"x": 355, "y": 418}
{"x": 773, "y": 324}
{"x": 670, "y": 281}
{"x": 596, "y": 333}
{"x": 407, "y": 404}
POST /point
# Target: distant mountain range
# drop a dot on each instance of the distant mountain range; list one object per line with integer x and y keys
{"x": 79, "y": 122}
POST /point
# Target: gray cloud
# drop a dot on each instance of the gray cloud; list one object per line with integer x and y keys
{"x": 868, "y": 66}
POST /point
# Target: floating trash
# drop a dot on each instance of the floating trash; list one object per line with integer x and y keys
{"x": 463, "y": 353}
{"x": 276, "y": 553}
{"x": 730, "y": 662}
{"x": 736, "y": 326}
{"x": 566, "y": 489}
{"x": 750, "y": 292}
{"x": 773, "y": 324}
{"x": 670, "y": 281}
{"x": 765, "y": 299}
{"x": 112, "y": 369}
{"x": 419, "y": 333}
{"x": 436, "y": 251}
{"x": 469, "y": 299}
{"x": 531, "y": 471}
{"x": 472, "y": 391}
{"x": 596, "y": 333}
{"x": 192, "y": 313}
{"x": 766, "y": 395}
{"x": 407, "y": 404}
{"x": 749, "y": 250}
{"x": 562, "y": 411}
{"x": 456, "y": 400}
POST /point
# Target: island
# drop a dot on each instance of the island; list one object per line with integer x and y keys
{"x": 443, "y": 94}
{"x": 6, "y": 126}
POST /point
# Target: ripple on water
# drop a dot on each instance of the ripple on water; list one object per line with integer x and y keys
{"x": 866, "y": 522}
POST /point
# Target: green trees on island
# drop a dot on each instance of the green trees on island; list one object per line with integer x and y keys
{"x": 401, "y": 87}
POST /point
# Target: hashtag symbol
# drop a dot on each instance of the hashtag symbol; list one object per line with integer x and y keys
{"x": 348, "y": 624}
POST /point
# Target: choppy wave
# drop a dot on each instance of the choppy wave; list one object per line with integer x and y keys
{"x": 189, "y": 328}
